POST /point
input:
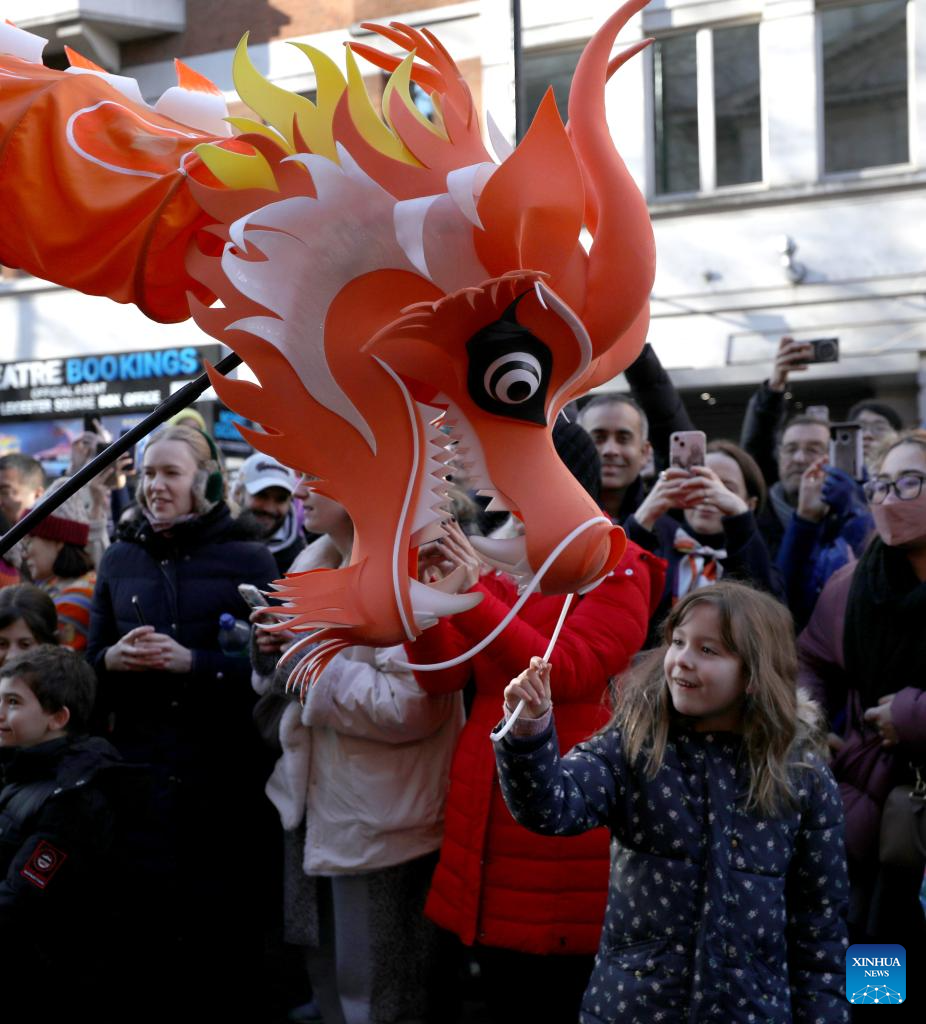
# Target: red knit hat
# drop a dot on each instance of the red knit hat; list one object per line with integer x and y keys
{"x": 53, "y": 527}
{"x": 70, "y": 522}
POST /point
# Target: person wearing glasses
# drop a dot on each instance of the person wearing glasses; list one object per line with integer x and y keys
{"x": 880, "y": 425}
{"x": 816, "y": 520}
{"x": 863, "y": 655}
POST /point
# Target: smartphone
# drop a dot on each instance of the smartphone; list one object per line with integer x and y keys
{"x": 818, "y": 412}
{"x": 252, "y": 595}
{"x": 825, "y": 350}
{"x": 686, "y": 448}
{"x": 846, "y": 448}
{"x": 136, "y": 605}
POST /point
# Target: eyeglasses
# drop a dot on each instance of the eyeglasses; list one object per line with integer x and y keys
{"x": 878, "y": 428}
{"x": 906, "y": 487}
{"x": 810, "y": 450}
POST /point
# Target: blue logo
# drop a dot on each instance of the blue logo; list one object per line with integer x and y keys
{"x": 876, "y": 973}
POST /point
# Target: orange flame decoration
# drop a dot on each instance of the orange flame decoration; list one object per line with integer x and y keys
{"x": 357, "y": 262}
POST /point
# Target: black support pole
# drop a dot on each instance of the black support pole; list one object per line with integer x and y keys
{"x": 519, "y": 112}
{"x": 169, "y": 407}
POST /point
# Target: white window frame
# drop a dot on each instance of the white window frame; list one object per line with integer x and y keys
{"x": 878, "y": 170}
{"x": 707, "y": 140}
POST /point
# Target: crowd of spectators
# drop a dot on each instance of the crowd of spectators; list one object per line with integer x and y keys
{"x": 385, "y": 852}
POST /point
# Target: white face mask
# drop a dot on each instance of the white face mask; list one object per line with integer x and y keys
{"x": 900, "y": 523}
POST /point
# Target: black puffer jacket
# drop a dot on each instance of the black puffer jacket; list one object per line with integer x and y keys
{"x": 51, "y": 800}
{"x": 208, "y": 824}
{"x": 183, "y": 583}
{"x": 195, "y": 728}
{"x": 59, "y": 871}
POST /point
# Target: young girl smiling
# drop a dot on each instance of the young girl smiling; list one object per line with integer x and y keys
{"x": 728, "y": 879}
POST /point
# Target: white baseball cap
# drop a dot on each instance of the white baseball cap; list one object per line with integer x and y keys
{"x": 259, "y": 471}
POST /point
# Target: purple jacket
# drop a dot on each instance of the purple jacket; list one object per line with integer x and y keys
{"x": 864, "y": 769}
{"x": 822, "y": 668}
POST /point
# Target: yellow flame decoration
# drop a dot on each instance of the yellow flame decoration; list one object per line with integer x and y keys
{"x": 367, "y": 121}
{"x": 248, "y": 126}
{"x": 329, "y": 87}
{"x": 400, "y": 82}
{"x": 238, "y": 170}
{"x": 280, "y": 108}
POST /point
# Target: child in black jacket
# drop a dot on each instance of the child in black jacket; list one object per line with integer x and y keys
{"x": 57, "y": 833}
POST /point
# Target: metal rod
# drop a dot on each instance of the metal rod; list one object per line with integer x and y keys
{"x": 169, "y": 407}
{"x": 519, "y": 112}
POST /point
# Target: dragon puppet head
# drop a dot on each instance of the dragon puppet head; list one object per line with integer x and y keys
{"x": 405, "y": 299}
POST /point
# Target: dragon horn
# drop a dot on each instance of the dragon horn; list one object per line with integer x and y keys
{"x": 623, "y": 248}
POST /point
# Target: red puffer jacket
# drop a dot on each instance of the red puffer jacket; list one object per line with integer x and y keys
{"x": 497, "y": 883}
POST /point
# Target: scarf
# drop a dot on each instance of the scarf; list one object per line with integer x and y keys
{"x": 782, "y": 508}
{"x": 699, "y": 566}
{"x": 885, "y": 637}
{"x": 161, "y": 526}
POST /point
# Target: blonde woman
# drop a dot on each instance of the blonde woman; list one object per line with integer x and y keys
{"x": 172, "y": 699}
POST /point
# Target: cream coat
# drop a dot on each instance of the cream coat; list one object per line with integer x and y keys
{"x": 366, "y": 760}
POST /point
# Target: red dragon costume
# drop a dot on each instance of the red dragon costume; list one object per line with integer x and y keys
{"x": 355, "y": 263}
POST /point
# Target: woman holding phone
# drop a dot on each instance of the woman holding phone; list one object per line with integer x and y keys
{"x": 701, "y": 519}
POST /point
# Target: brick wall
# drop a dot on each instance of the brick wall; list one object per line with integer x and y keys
{"x": 219, "y": 24}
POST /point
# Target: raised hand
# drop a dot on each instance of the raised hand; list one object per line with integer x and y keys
{"x": 793, "y": 357}
{"x": 671, "y": 490}
{"x": 533, "y": 687}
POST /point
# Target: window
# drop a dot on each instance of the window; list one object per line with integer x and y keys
{"x": 707, "y": 129}
{"x": 737, "y": 124}
{"x": 865, "y": 75}
{"x": 548, "y": 67}
{"x": 675, "y": 94}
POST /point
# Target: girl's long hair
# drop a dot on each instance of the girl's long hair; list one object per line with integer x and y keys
{"x": 778, "y": 722}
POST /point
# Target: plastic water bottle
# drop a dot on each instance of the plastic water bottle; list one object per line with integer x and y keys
{"x": 234, "y": 635}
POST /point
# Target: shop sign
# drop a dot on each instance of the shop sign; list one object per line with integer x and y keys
{"x": 107, "y": 384}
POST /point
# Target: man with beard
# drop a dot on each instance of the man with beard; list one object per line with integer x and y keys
{"x": 264, "y": 490}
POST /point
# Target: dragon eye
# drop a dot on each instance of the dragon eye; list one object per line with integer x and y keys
{"x": 513, "y": 378}
{"x": 509, "y": 370}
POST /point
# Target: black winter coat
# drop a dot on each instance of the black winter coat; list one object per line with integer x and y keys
{"x": 194, "y": 729}
{"x": 58, "y": 880}
{"x": 765, "y": 413}
{"x": 208, "y": 839}
{"x": 652, "y": 387}
{"x": 714, "y": 913}
{"x": 183, "y": 583}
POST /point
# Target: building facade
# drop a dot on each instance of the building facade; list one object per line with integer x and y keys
{"x": 781, "y": 145}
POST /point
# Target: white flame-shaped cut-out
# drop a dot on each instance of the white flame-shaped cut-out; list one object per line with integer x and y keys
{"x": 17, "y": 42}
